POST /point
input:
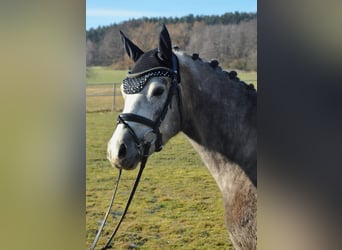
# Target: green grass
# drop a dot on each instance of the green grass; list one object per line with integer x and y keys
{"x": 177, "y": 204}
{"x": 103, "y": 103}
{"x": 105, "y": 75}
{"x": 248, "y": 76}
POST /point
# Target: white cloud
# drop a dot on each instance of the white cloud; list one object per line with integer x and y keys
{"x": 116, "y": 13}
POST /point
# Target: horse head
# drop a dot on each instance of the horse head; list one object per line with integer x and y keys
{"x": 151, "y": 93}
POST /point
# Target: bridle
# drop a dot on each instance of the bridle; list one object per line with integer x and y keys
{"x": 134, "y": 83}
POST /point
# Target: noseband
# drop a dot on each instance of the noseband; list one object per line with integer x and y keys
{"x": 134, "y": 83}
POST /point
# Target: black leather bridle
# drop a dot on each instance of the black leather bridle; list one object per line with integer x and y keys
{"x": 134, "y": 83}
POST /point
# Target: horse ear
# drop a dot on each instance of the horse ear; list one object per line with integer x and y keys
{"x": 132, "y": 50}
{"x": 165, "y": 48}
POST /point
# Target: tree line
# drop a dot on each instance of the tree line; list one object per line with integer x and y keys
{"x": 230, "y": 38}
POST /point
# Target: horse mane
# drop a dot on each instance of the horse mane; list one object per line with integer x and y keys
{"x": 214, "y": 64}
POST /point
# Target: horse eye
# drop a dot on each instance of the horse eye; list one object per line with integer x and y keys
{"x": 158, "y": 92}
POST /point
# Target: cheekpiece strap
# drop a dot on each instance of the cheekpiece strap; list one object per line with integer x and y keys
{"x": 134, "y": 83}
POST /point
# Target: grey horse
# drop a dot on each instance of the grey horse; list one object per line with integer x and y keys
{"x": 167, "y": 92}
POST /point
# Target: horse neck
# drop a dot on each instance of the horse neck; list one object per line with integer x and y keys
{"x": 220, "y": 121}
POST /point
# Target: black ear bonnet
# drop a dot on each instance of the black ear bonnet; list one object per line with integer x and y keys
{"x": 134, "y": 83}
{"x": 147, "y": 66}
{"x": 149, "y": 60}
{"x": 160, "y": 62}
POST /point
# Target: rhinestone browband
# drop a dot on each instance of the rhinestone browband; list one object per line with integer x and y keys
{"x": 134, "y": 83}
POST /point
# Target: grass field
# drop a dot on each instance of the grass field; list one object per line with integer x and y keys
{"x": 103, "y": 103}
{"x": 177, "y": 204}
{"x": 105, "y": 75}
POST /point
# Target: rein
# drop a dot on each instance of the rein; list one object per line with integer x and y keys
{"x": 143, "y": 146}
{"x": 136, "y": 183}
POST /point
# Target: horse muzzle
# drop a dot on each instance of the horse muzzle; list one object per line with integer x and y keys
{"x": 123, "y": 153}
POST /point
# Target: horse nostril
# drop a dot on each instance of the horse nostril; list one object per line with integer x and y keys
{"x": 122, "y": 151}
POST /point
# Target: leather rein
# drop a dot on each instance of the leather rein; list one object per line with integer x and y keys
{"x": 143, "y": 146}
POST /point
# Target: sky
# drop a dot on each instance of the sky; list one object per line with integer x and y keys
{"x": 106, "y": 12}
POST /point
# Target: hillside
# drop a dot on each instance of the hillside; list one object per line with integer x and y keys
{"x": 231, "y": 38}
